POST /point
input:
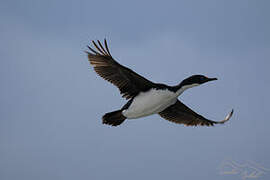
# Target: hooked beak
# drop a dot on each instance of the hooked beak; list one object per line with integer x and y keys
{"x": 211, "y": 79}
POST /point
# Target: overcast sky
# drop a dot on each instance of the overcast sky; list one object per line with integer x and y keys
{"x": 51, "y": 100}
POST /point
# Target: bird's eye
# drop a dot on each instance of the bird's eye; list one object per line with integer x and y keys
{"x": 202, "y": 78}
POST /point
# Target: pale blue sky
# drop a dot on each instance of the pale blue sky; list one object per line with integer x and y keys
{"x": 52, "y": 101}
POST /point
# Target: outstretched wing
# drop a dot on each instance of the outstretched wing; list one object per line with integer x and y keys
{"x": 181, "y": 114}
{"x": 128, "y": 82}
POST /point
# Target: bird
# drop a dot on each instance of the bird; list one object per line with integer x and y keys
{"x": 143, "y": 96}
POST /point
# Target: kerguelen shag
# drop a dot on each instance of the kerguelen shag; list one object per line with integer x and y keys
{"x": 146, "y": 97}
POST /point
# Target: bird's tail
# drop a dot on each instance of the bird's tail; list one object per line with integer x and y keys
{"x": 114, "y": 118}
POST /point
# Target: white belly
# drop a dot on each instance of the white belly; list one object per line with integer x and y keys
{"x": 150, "y": 102}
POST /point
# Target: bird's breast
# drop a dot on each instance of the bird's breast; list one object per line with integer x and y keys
{"x": 150, "y": 102}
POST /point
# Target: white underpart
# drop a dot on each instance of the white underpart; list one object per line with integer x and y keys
{"x": 152, "y": 102}
{"x": 182, "y": 89}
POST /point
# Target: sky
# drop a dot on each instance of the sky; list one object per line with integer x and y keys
{"x": 51, "y": 100}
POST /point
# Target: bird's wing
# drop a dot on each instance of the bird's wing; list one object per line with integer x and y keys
{"x": 128, "y": 82}
{"x": 181, "y": 114}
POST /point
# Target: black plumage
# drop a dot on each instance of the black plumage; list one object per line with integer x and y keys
{"x": 131, "y": 84}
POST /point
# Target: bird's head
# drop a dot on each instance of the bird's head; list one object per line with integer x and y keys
{"x": 195, "y": 80}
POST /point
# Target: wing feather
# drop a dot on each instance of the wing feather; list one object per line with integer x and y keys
{"x": 181, "y": 114}
{"x": 128, "y": 82}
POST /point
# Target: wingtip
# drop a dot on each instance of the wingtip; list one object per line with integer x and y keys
{"x": 227, "y": 118}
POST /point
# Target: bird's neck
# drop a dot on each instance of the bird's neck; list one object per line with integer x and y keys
{"x": 179, "y": 89}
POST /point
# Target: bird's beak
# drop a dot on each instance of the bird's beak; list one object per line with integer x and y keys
{"x": 211, "y": 79}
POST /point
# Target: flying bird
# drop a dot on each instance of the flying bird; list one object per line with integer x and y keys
{"x": 144, "y": 96}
